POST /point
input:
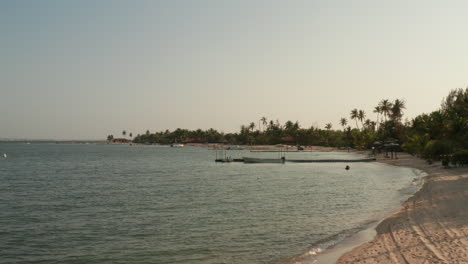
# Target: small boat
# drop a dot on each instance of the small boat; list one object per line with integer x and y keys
{"x": 259, "y": 160}
{"x": 4, "y": 155}
{"x": 176, "y": 145}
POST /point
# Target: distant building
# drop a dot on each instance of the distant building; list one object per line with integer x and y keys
{"x": 288, "y": 140}
{"x": 120, "y": 140}
{"x": 194, "y": 140}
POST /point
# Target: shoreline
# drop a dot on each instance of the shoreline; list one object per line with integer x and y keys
{"x": 330, "y": 251}
{"x": 430, "y": 227}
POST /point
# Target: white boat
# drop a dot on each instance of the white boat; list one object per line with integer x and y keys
{"x": 176, "y": 145}
{"x": 259, "y": 160}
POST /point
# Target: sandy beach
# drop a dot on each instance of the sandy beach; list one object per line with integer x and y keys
{"x": 431, "y": 227}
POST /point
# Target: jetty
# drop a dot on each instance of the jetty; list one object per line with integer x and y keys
{"x": 255, "y": 160}
{"x": 329, "y": 160}
{"x": 278, "y": 150}
{"x": 226, "y": 160}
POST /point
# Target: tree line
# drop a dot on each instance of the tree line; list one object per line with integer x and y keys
{"x": 433, "y": 136}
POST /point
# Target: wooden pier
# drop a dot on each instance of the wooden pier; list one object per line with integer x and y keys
{"x": 227, "y": 160}
{"x": 330, "y": 160}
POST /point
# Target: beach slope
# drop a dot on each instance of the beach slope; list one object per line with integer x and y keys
{"x": 432, "y": 226}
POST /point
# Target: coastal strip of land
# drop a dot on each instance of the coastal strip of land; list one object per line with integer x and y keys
{"x": 432, "y": 226}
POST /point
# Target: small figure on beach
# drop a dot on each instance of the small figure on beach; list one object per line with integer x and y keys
{"x": 347, "y": 167}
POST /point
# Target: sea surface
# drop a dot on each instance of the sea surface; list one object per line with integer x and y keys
{"x": 77, "y": 203}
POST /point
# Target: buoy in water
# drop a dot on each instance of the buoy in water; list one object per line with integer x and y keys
{"x": 347, "y": 167}
{"x": 4, "y": 155}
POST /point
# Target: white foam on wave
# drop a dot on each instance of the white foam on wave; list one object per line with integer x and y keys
{"x": 315, "y": 251}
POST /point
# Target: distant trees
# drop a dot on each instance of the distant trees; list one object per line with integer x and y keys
{"x": 328, "y": 127}
{"x": 273, "y": 132}
{"x": 442, "y": 133}
{"x": 438, "y": 134}
{"x": 385, "y": 105}
{"x": 377, "y": 110}
{"x": 397, "y": 109}
{"x": 343, "y": 122}
{"x": 264, "y": 122}
{"x": 361, "y": 116}
{"x": 355, "y": 115}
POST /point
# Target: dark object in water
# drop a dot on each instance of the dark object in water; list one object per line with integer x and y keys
{"x": 229, "y": 160}
{"x": 260, "y": 160}
{"x": 347, "y": 167}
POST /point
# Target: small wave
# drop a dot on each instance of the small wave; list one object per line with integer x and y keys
{"x": 314, "y": 251}
{"x": 324, "y": 244}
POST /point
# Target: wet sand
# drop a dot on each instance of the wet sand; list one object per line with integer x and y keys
{"x": 432, "y": 226}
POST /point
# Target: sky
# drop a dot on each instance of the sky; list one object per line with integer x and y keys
{"x": 87, "y": 69}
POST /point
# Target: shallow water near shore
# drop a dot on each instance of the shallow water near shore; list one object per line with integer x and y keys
{"x": 150, "y": 204}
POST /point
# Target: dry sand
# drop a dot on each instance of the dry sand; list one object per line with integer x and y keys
{"x": 432, "y": 226}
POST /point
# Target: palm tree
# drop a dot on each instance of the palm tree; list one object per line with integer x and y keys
{"x": 271, "y": 125}
{"x": 343, "y": 122}
{"x": 328, "y": 127}
{"x": 355, "y": 116}
{"x": 361, "y": 116}
{"x": 397, "y": 109}
{"x": 288, "y": 126}
{"x": 296, "y": 126}
{"x": 264, "y": 122}
{"x": 252, "y": 126}
{"x": 385, "y": 106}
{"x": 131, "y": 135}
{"x": 373, "y": 125}
{"x": 243, "y": 129}
{"x": 378, "y": 111}
{"x": 278, "y": 124}
{"x": 124, "y": 133}
{"x": 368, "y": 123}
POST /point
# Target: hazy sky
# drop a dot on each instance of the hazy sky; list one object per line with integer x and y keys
{"x": 86, "y": 69}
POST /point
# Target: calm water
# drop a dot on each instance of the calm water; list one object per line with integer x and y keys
{"x": 146, "y": 204}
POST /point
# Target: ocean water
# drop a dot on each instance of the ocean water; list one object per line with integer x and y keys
{"x": 71, "y": 203}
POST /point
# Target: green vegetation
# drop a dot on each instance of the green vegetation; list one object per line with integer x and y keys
{"x": 440, "y": 135}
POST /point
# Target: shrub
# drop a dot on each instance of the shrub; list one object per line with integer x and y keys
{"x": 460, "y": 158}
{"x": 445, "y": 161}
{"x": 436, "y": 148}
